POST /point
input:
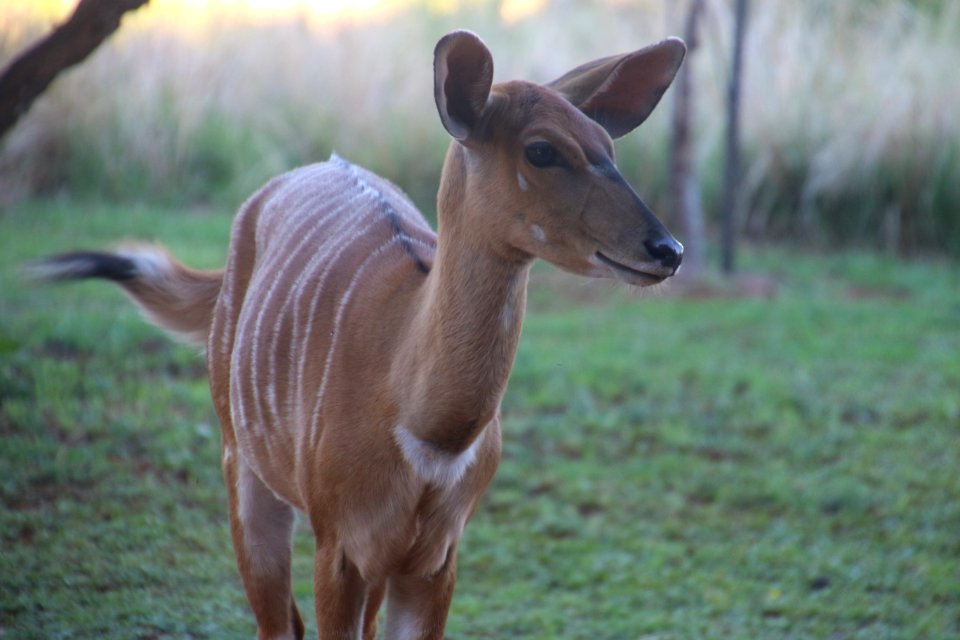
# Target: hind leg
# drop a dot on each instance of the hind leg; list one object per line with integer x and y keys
{"x": 262, "y": 527}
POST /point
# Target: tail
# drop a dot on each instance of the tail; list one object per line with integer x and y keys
{"x": 172, "y": 296}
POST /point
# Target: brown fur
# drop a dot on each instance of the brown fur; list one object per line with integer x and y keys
{"x": 181, "y": 301}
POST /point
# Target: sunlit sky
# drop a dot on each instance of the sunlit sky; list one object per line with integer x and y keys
{"x": 319, "y": 11}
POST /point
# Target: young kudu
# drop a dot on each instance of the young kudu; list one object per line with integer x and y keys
{"x": 357, "y": 360}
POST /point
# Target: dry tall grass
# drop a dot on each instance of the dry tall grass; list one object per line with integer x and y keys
{"x": 849, "y": 123}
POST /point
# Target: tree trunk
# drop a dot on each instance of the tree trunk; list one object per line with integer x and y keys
{"x": 731, "y": 182}
{"x": 30, "y": 73}
{"x": 684, "y": 187}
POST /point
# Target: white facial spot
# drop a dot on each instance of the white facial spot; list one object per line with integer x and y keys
{"x": 522, "y": 182}
{"x": 600, "y": 270}
{"x": 538, "y": 234}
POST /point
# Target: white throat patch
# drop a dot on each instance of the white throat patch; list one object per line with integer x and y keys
{"x": 431, "y": 464}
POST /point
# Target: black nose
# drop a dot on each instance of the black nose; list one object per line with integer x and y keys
{"x": 667, "y": 251}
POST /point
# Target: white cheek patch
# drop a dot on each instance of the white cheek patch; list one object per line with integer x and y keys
{"x": 600, "y": 270}
{"x": 436, "y": 467}
{"x": 538, "y": 234}
{"x": 522, "y": 182}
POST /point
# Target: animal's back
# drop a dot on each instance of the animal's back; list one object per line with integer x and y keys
{"x": 305, "y": 250}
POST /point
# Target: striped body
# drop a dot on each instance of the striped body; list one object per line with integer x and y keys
{"x": 321, "y": 237}
{"x": 300, "y": 368}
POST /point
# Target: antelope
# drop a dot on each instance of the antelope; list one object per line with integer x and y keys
{"x": 357, "y": 360}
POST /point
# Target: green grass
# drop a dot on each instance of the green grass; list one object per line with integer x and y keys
{"x": 675, "y": 467}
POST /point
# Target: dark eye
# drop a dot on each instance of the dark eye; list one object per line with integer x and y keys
{"x": 541, "y": 154}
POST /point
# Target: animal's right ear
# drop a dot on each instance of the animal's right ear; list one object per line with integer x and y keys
{"x": 462, "y": 77}
{"x": 619, "y": 92}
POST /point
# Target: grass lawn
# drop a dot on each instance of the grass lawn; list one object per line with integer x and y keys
{"x": 675, "y": 467}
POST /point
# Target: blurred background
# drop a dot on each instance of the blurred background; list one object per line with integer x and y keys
{"x": 772, "y": 455}
{"x": 848, "y": 111}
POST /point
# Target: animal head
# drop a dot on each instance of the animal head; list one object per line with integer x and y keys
{"x": 535, "y": 164}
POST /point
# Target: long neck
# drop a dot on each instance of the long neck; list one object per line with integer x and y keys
{"x": 457, "y": 357}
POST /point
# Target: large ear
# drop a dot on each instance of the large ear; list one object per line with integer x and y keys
{"x": 462, "y": 76}
{"x": 619, "y": 92}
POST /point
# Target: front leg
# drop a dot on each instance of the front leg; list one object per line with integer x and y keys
{"x": 341, "y": 595}
{"x": 417, "y": 606}
{"x": 374, "y": 599}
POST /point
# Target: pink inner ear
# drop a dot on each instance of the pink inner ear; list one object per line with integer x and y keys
{"x": 463, "y": 75}
{"x": 629, "y": 89}
{"x": 634, "y": 87}
{"x": 472, "y": 78}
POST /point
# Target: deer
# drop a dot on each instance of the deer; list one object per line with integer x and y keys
{"x": 357, "y": 360}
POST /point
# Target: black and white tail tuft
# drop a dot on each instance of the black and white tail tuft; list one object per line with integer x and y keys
{"x": 172, "y": 296}
{"x": 80, "y": 265}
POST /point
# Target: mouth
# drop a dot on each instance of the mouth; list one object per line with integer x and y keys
{"x": 631, "y": 275}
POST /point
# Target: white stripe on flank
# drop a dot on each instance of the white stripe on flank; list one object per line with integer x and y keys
{"x": 260, "y": 387}
{"x": 278, "y": 263}
{"x": 295, "y": 294}
{"x": 370, "y": 218}
{"x": 341, "y": 309}
{"x": 290, "y": 199}
{"x": 318, "y": 294}
{"x": 270, "y": 203}
{"x": 237, "y": 414}
{"x": 432, "y": 465}
{"x": 295, "y": 230}
{"x": 229, "y": 328}
{"x": 281, "y": 277}
{"x": 224, "y": 317}
{"x": 326, "y": 209}
{"x": 247, "y": 397}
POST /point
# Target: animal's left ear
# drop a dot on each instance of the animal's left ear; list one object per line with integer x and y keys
{"x": 619, "y": 92}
